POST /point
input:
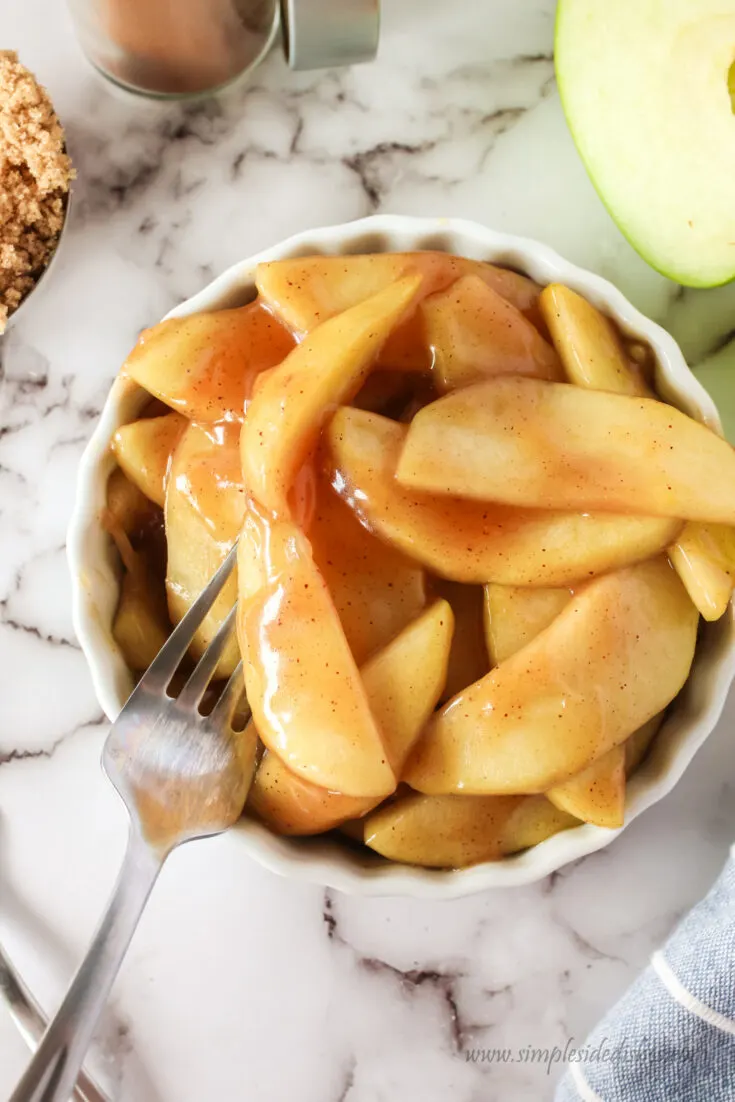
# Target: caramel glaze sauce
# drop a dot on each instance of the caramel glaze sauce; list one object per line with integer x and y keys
{"x": 213, "y": 391}
{"x": 208, "y": 377}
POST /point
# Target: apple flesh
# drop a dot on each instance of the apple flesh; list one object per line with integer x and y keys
{"x": 128, "y": 511}
{"x": 455, "y": 831}
{"x": 141, "y": 625}
{"x": 644, "y": 87}
{"x": 639, "y": 743}
{"x": 593, "y": 357}
{"x": 293, "y": 400}
{"x": 290, "y": 804}
{"x": 384, "y": 391}
{"x": 614, "y": 657}
{"x": 204, "y": 365}
{"x": 704, "y": 557}
{"x": 550, "y": 445}
{"x": 597, "y": 794}
{"x": 403, "y": 683}
{"x": 303, "y": 685}
{"x": 475, "y": 333}
{"x": 466, "y": 541}
{"x": 588, "y": 344}
{"x": 205, "y": 502}
{"x": 468, "y": 658}
{"x": 144, "y": 449}
{"x": 376, "y": 590}
{"x": 514, "y": 615}
{"x": 305, "y": 291}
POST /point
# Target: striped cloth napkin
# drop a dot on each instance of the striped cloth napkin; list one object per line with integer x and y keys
{"x": 671, "y": 1038}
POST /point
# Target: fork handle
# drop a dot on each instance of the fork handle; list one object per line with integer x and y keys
{"x": 28, "y": 1017}
{"x": 52, "y": 1072}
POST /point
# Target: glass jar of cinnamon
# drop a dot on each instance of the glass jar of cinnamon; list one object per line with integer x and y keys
{"x": 182, "y": 48}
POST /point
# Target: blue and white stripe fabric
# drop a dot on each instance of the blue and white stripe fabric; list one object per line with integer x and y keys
{"x": 671, "y": 1038}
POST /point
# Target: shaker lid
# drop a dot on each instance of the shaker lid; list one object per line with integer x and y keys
{"x": 321, "y": 34}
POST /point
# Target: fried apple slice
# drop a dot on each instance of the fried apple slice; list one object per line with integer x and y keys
{"x": 354, "y": 829}
{"x": 514, "y": 615}
{"x": 468, "y": 658}
{"x": 704, "y": 559}
{"x": 289, "y": 804}
{"x": 205, "y": 502}
{"x": 597, "y": 794}
{"x": 403, "y": 683}
{"x": 293, "y": 400}
{"x": 386, "y": 391}
{"x": 454, "y": 831}
{"x": 704, "y": 555}
{"x": 128, "y": 510}
{"x": 305, "y": 291}
{"x": 307, "y": 698}
{"x": 141, "y": 626}
{"x": 144, "y": 449}
{"x": 614, "y": 657}
{"x": 204, "y": 365}
{"x": 537, "y": 444}
{"x": 470, "y": 542}
{"x": 588, "y": 344}
{"x": 475, "y": 333}
{"x": 376, "y": 590}
{"x": 639, "y": 743}
{"x": 405, "y": 679}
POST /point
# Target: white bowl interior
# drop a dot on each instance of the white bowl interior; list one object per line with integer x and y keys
{"x": 95, "y": 570}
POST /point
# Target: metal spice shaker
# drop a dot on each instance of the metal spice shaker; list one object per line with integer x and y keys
{"x": 171, "y": 49}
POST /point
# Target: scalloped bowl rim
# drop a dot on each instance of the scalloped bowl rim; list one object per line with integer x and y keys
{"x": 95, "y": 582}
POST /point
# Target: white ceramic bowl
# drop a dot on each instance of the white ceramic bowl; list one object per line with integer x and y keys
{"x": 95, "y": 572}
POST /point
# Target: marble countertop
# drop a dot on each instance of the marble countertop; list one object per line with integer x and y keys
{"x": 240, "y": 984}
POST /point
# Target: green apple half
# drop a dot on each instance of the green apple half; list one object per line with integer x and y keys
{"x": 648, "y": 88}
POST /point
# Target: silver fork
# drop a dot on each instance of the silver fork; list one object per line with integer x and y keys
{"x": 181, "y": 776}
{"x": 31, "y": 1023}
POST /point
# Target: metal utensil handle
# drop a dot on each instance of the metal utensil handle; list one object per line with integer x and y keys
{"x": 31, "y": 1023}
{"x": 52, "y": 1072}
{"x": 22, "y": 1007}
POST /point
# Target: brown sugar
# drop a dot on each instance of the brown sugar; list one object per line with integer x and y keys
{"x": 35, "y": 173}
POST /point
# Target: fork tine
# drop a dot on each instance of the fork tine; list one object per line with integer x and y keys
{"x": 221, "y": 714}
{"x": 200, "y": 676}
{"x": 164, "y": 665}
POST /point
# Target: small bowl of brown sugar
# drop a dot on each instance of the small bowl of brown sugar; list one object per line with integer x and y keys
{"x": 35, "y": 177}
